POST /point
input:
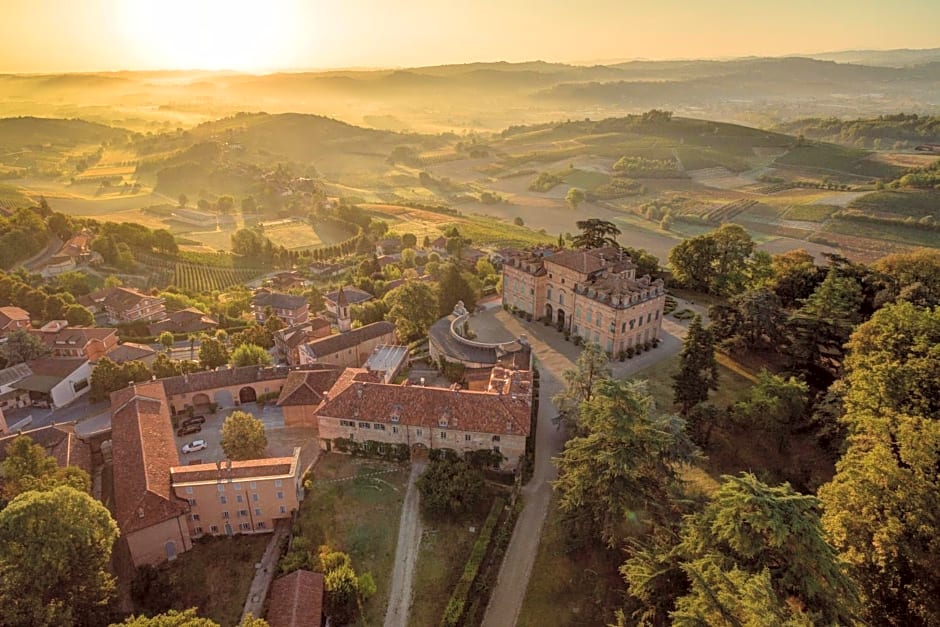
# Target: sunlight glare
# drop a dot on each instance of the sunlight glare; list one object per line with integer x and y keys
{"x": 245, "y": 35}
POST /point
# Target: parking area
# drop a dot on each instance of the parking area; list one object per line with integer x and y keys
{"x": 281, "y": 439}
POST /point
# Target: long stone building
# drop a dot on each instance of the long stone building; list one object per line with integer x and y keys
{"x": 593, "y": 293}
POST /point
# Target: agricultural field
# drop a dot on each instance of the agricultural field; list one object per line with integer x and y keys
{"x": 836, "y": 160}
{"x": 201, "y": 273}
{"x": 809, "y": 213}
{"x": 296, "y": 235}
{"x": 913, "y": 203}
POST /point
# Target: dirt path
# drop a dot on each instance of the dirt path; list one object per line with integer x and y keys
{"x": 264, "y": 575}
{"x": 406, "y": 554}
{"x": 554, "y": 357}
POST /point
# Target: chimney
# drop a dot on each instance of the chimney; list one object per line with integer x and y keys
{"x": 228, "y": 464}
{"x": 422, "y": 381}
{"x": 218, "y": 466}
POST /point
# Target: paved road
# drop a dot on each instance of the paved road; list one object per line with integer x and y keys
{"x": 554, "y": 357}
{"x": 406, "y": 554}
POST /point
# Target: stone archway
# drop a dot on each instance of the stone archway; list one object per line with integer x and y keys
{"x": 548, "y": 311}
{"x": 201, "y": 400}
{"x": 560, "y": 318}
{"x": 247, "y": 395}
{"x": 419, "y": 452}
{"x": 224, "y": 398}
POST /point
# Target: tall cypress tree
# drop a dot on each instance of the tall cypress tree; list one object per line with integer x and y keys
{"x": 698, "y": 370}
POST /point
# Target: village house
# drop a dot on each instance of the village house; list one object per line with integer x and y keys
{"x": 388, "y": 246}
{"x": 56, "y": 381}
{"x": 593, "y": 294}
{"x": 122, "y": 304}
{"x": 189, "y": 320}
{"x": 303, "y": 390}
{"x": 13, "y": 318}
{"x": 288, "y": 340}
{"x": 59, "y": 442}
{"x": 89, "y": 342}
{"x": 229, "y": 497}
{"x": 425, "y": 418}
{"x": 350, "y": 348}
{"x": 283, "y": 281}
{"x": 345, "y": 296}
{"x": 291, "y": 309}
{"x": 132, "y": 351}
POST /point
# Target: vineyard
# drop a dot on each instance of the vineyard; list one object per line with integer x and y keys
{"x": 199, "y": 278}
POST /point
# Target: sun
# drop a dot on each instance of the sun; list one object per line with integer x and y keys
{"x": 247, "y": 35}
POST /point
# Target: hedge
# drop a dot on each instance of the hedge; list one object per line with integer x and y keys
{"x": 371, "y": 448}
{"x": 458, "y": 600}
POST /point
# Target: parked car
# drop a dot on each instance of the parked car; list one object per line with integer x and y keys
{"x": 195, "y": 445}
{"x": 195, "y": 420}
{"x": 188, "y": 429}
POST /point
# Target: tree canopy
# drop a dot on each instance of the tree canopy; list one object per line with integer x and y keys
{"x": 595, "y": 233}
{"x": 243, "y": 436}
{"x": 28, "y": 467}
{"x": 249, "y": 355}
{"x": 698, "y": 369}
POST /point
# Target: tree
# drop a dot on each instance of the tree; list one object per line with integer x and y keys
{"x": 225, "y": 204}
{"x": 454, "y": 287}
{"x": 250, "y": 355}
{"x": 249, "y": 205}
{"x": 752, "y": 319}
{"x": 79, "y": 316}
{"x": 212, "y": 353}
{"x": 243, "y": 436}
{"x": 776, "y": 405}
{"x": 449, "y": 487}
{"x": 173, "y": 618}
{"x": 21, "y": 345}
{"x": 166, "y": 340}
{"x": 106, "y": 377}
{"x": 879, "y": 507}
{"x": 28, "y": 467}
{"x": 574, "y": 197}
{"x": 595, "y": 233}
{"x": 721, "y": 262}
{"x": 755, "y": 555}
{"x": 183, "y": 200}
{"x": 55, "y": 547}
{"x": 272, "y": 325}
{"x": 408, "y": 256}
{"x": 581, "y": 382}
{"x": 409, "y": 240}
{"x": 412, "y": 308}
{"x": 624, "y": 463}
{"x": 485, "y": 268}
{"x": 341, "y": 586}
{"x": 795, "y": 276}
{"x": 698, "y": 370}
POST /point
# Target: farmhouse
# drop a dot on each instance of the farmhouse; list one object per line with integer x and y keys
{"x": 288, "y": 340}
{"x": 13, "y": 318}
{"x": 291, "y": 309}
{"x": 368, "y": 413}
{"x": 122, "y": 304}
{"x": 593, "y": 294}
{"x": 345, "y": 296}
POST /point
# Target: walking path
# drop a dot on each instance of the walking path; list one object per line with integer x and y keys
{"x": 265, "y": 572}
{"x": 406, "y": 554}
{"x": 554, "y": 357}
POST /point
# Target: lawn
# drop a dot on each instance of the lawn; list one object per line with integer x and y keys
{"x": 915, "y": 203}
{"x": 293, "y": 235}
{"x": 213, "y": 577}
{"x": 355, "y": 507}
{"x": 445, "y": 547}
{"x": 832, "y": 158}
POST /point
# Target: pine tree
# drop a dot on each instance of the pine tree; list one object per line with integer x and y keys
{"x": 698, "y": 370}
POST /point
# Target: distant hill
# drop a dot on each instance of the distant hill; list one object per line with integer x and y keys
{"x": 882, "y": 132}
{"x": 903, "y": 57}
{"x": 22, "y": 132}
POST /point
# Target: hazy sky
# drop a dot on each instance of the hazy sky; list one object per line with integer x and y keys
{"x": 258, "y": 35}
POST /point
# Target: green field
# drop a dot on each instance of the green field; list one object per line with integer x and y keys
{"x": 698, "y": 158}
{"x": 809, "y": 213}
{"x": 584, "y": 179}
{"x": 899, "y": 233}
{"x": 914, "y": 203}
{"x": 830, "y": 158}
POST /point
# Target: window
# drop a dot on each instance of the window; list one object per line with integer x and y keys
{"x": 631, "y": 324}
{"x": 198, "y": 530}
{"x": 561, "y": 299}
{"x": 222, "y": 499}
{"x": 238, "y": 498}
{"x": 214, "y": 528}
{"x": 194, "y": 517}
{"x": 245, "y": 526}
{"x": 562, "y": 281}
{"x": 612, "y": 327}
{"x": 238, "y": 486}
{"x": 657, "y": 315}
{"x": 623, "y": 327}
{"x": 253, "y": 485}
{"x": 600, "y": 319}
{"x": 549, "y": 292}
{"x": 577, "y": 312}
{"x": 283, "y": 509}
{"x": 418, "y": 432}
{"x": 225, "y": 515}
{"x": 278, "y": 483}
{"x": 443, "y": 435}
{"x": 189, "y": 490}
{"x": 531, "y": 291}
{"x": 347, "y": 423}
{"x": 220, "y": 487}
{"x": 610, "y": 346}
{"x": 191, "y": 501}
{"x": 597, "y": 338}
{"x": 257, "y": 511}
{"x": 365, "y": 425}
{"x": 254, "y": 497}
{"x": 394, "y": 429}
{"x": 260, "y": 524}
{"x": 280, "y": 495}
{"x": 467, "y": 437}
{"x": 496, "y": 438}
{"x": 588, "y": 315}
{"x": 378, "y": 427}
{"x": 243, "y": 513}
{"x": 649, "y": 317}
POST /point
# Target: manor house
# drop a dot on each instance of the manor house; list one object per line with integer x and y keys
{"x": 590, "y": 293}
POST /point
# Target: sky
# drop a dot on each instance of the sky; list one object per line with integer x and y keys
{"x": 267, "y": 35}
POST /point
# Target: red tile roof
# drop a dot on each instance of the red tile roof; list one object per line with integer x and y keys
{"x": 9, "y": 314}
{"x": 78, "y": 337}
{"x": 306, "y": 387}
{"x": 333, "y": 344}
{"x": 507, "y": 413}
{"x": 60, "y": 442}
{"x": 267, "y": 467}
{"x": 296, "y": 600}
{"x": 144, "y": 451}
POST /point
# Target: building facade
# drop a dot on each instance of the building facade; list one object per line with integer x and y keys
{"x": 349, "y": 349}
{"x": 122, "y": 304}
{"x": 229, "y": 497}
{"x": 290, "y": 309}
{"x": 594, "y": 294}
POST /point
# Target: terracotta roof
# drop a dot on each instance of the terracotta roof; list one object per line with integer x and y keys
{"x": 144, "y": 450}
{"x": 75, "y": 336}
{"x": 353, "y": 295}
{"x": 335, "y": 343}
{"x": 117, "y": 298}
{"x": 208, "y": 380}
{"x": 246, "y": 469}
{"x": 588, "y": 261}
{"x": 306, "y": 387}
{"x": 265, "y": 298}
{"x": 296, "y": 600}
{"x": 56, "y": 366}
{"x": 297, "y": 334}
{"x": 60, "y": 442}
{"x": 479, "y": 412}
{"x": 9, "y": 314}
{"x": 129, "y": 351}
{"x": 183, "y": 321}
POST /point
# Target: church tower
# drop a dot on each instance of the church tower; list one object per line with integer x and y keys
{"x": 342, "y": 312}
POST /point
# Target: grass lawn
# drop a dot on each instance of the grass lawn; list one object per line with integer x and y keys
{"x": 359, "y": 516}
{"x": 445, "y": 547}
{"x": 214, "y": 576}
{"x": 578, "y": 588}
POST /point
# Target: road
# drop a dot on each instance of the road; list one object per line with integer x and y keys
{"x": 554, "y": 356}
{"x": 406, "y": 554}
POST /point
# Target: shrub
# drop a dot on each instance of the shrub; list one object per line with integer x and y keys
{"x": 631, "y": 351}
{"x": 578, "y": 340}
{"x": 622, "y": 355}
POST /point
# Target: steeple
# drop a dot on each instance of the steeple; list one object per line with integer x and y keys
{"x": 342, "y": 312}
